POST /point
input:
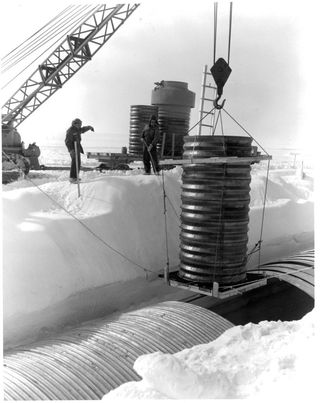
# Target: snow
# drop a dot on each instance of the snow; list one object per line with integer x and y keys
{"x": 266, "y": 360}
{"x": 68, "y": 259}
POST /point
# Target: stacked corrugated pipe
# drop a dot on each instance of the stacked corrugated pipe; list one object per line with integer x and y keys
{"x": 139, "y": 117}
{"x": 174, "y": 102}
{"x": 215, "y": 210}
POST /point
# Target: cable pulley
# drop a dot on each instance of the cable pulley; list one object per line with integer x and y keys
{"x": 220, "y": 72}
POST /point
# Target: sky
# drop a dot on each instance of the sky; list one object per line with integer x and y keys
{"x": 268, "y": 91}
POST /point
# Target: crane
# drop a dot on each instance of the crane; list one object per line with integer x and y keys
{"x": 73, "y": 53}
{"x": 63, "y": 63}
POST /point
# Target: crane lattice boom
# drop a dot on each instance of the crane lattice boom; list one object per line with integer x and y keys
{"x": 76, "y": 50}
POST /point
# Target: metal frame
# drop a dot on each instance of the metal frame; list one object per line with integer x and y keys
{"x": 216, "y": 160}
{"x": 77, "y": 49}
{"x": 215, "y": 290}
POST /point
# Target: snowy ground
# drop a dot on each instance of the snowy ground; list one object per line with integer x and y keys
{"x": 269, "y": 360}
{"x": 69, "y": 258}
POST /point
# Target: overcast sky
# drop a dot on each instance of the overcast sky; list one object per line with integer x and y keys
{"x": 267, "y": 91}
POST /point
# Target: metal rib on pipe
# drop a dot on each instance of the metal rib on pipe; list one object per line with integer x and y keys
{"x": 87, "y": 362}
{"x": 215, "y": 210}
{"x": 297, "y": 270}
{"x": 139, "y": 117}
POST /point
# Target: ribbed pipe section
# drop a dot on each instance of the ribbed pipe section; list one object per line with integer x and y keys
{"x": 139, "y": 118}
{"x": 215, "y": 211}
{"x": 89, "y": 361}
{"x": 174, "y": 102}
{"x": 297, "y": 270}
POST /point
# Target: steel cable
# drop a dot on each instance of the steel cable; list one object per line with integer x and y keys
{"x": 245, "y": 131}
{"x": 230, "y": 25}
{"x": 48, "y": 23}
{"x": 10, "y": 56}
{"x": 263, "y": 211}
{"x": 64, "y": 26}
{"x": 58, "y": 40}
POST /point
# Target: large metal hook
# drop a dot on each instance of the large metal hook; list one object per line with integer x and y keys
{"x": 215, "y": 102}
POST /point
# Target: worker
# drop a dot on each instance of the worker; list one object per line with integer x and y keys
{"x": 73, "y": 143}
{"x": 150, "y": 137}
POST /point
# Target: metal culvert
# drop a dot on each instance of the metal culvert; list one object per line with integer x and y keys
{"x": 139, "y": 117}
{"x": 91, "y": 360}
{"x": 215, "y": 210}
{"x": 297, "y": 270}
{"x": 174, "y": 102}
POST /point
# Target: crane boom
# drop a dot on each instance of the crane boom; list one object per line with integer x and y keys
{"x": 76, "y": 50}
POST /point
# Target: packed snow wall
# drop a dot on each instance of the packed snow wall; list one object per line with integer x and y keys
{"x": 56, "y": 273}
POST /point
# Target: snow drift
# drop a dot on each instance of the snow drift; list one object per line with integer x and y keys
{"x": 69, "y": 258}
{"x": 272, "y": 360}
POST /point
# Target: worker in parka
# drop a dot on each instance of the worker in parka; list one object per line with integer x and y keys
{"x": 150, "y": 137}
{"x": 73, "y": 143}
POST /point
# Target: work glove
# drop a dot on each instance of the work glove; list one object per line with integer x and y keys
{"x": 72, "y": 153}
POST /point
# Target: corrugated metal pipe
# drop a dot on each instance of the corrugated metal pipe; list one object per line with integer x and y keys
{"x": 89, "y": 361}
{"x": 139, "y": 118}
{"x": 174, "y": 102}
{"x": 215, "y": 210}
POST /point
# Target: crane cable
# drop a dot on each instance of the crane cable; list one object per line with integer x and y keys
{"x": 39, "y": 30}
{"x": 16, "y": 52}
{"x": 47, "y": 36}
{"x": 215, "y": 30}
{"x": 230, "y": 25}
{"x": 58, "y": 40}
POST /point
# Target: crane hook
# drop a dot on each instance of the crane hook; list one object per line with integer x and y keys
{"x": 220, "y": 72}
{"x": 215, "y": 102}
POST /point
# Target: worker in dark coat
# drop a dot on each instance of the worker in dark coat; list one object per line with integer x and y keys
{"x": 150, "y": 137}
{"x": 74, "y": 136}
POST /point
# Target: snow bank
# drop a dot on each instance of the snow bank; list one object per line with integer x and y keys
{"x": 61, "y": 249}
{"x": 271, "y": 360}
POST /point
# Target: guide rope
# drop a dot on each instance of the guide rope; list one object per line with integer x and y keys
{"x": 145, "y": 269}
{"x": 263, "y": 212}
{"x": 165, "y": 223}
{"x": 155, "y": 171}
{"x": 259, "y": 243}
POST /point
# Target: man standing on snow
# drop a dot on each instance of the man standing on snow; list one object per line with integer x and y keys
{"x": 73, "y": 143}
{"x": 150, "y": 137}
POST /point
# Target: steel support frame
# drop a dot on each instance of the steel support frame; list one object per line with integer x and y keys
{"x": 77, "y": 49}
